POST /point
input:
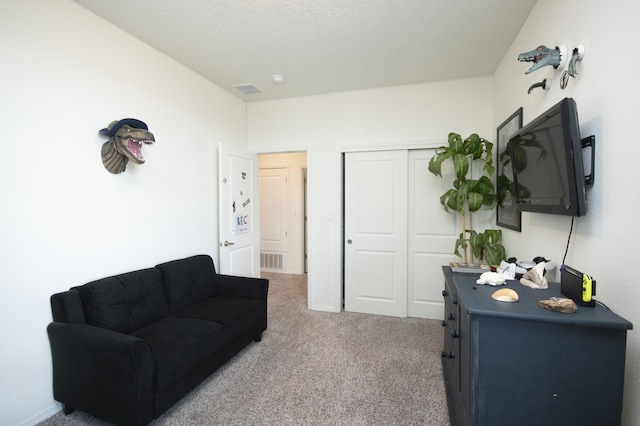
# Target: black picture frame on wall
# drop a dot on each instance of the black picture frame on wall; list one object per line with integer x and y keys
{"x": 507, "y": 214}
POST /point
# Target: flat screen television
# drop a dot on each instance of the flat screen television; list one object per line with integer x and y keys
{"x": 546, "y": 156}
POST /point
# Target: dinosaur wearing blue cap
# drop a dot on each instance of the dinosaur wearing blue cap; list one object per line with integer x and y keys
{"x": 126, "y": 137}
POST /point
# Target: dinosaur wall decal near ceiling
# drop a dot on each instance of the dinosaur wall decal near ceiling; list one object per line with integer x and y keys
{"x": 126, "y": 137}
{"x": 543, "y": 56}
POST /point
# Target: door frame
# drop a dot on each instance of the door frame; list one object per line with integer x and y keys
{"x": 307, "y": 201}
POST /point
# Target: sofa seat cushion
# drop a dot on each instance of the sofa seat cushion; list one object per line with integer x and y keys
{"x": 124, "y": 302}
{"x": 237, "y": 316}
{"x": 180, "y": 345}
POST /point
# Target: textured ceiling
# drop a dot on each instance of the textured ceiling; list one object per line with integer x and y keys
{"x": 323, "y": 46}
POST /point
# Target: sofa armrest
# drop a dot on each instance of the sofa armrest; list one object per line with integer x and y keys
{"x": 243, "y": 287}
{"x": 67, "y": 307}
{"x": 102, "y": 372}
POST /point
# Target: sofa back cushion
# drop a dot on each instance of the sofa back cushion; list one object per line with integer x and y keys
{"x": 187, "y": 281}
{"x": 124, "y": 302}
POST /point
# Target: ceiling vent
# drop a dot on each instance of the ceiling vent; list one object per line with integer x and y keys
{"x": 247, "y": 89}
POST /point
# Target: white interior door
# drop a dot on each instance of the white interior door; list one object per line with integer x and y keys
{"x": 431, "y": 237}
{"x": 274, "y": 211}
{"x": 239, "y": 212}
{"x": 376, "y": 232}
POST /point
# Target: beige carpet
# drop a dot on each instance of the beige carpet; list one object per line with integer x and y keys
{"x": 319, "y": 368}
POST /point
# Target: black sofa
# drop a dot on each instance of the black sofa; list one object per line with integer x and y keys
{"x": 127, "y": 347}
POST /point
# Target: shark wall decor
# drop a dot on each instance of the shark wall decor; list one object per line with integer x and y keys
{"x": 126, "y": 137}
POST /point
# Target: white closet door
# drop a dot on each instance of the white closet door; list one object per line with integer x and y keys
{"x": 431, "y": 237}
{"x": 376, "y": 232}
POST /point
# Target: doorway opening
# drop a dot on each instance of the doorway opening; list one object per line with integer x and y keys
{"x": 283, "y": 212}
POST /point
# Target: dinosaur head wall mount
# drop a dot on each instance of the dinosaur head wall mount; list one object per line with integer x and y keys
{"x": 543, "y": 56}
{"x": 126, "y": 137}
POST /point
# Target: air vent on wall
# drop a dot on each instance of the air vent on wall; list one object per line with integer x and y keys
{"x": 271, "y": 260}
{"x": 247, "y": 89}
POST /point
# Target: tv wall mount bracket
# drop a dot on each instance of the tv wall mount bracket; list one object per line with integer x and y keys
{"x": 588, "y": 158}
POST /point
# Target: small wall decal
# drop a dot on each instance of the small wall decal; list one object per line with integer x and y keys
{"x": 242, "y": 224}
{"x": 126, "y": 137}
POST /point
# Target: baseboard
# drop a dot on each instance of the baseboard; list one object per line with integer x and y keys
{"x": 42, "y": 415}
{"x": 324, "y": 308}
{"x": 281, "y": 271}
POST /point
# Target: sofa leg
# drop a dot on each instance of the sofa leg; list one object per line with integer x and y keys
{"x": 68, "y": 410}
{"x": 259, "y": 338}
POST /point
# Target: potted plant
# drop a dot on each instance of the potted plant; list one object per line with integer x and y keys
{"x": 486, "y": 246}
{"x": 468, "y": 195}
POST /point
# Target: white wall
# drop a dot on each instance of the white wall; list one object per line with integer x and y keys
{"x": 66, "y": 73}
{"x": 606, "y": 92}
{"x": 325, "y": 126}
{"x": 64, "y": 219}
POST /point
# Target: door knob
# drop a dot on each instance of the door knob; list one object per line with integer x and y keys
{"x": 349, "y": 241}
{"x": 228, "y": 243}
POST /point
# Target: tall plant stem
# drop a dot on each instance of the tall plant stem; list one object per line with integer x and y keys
{"x": 464, "y": 235}
{"x": 470, "y": 228}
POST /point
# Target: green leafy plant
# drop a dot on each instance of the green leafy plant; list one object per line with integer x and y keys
{"x": 486, "y": 246}
{"x": 469, "y": 195}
